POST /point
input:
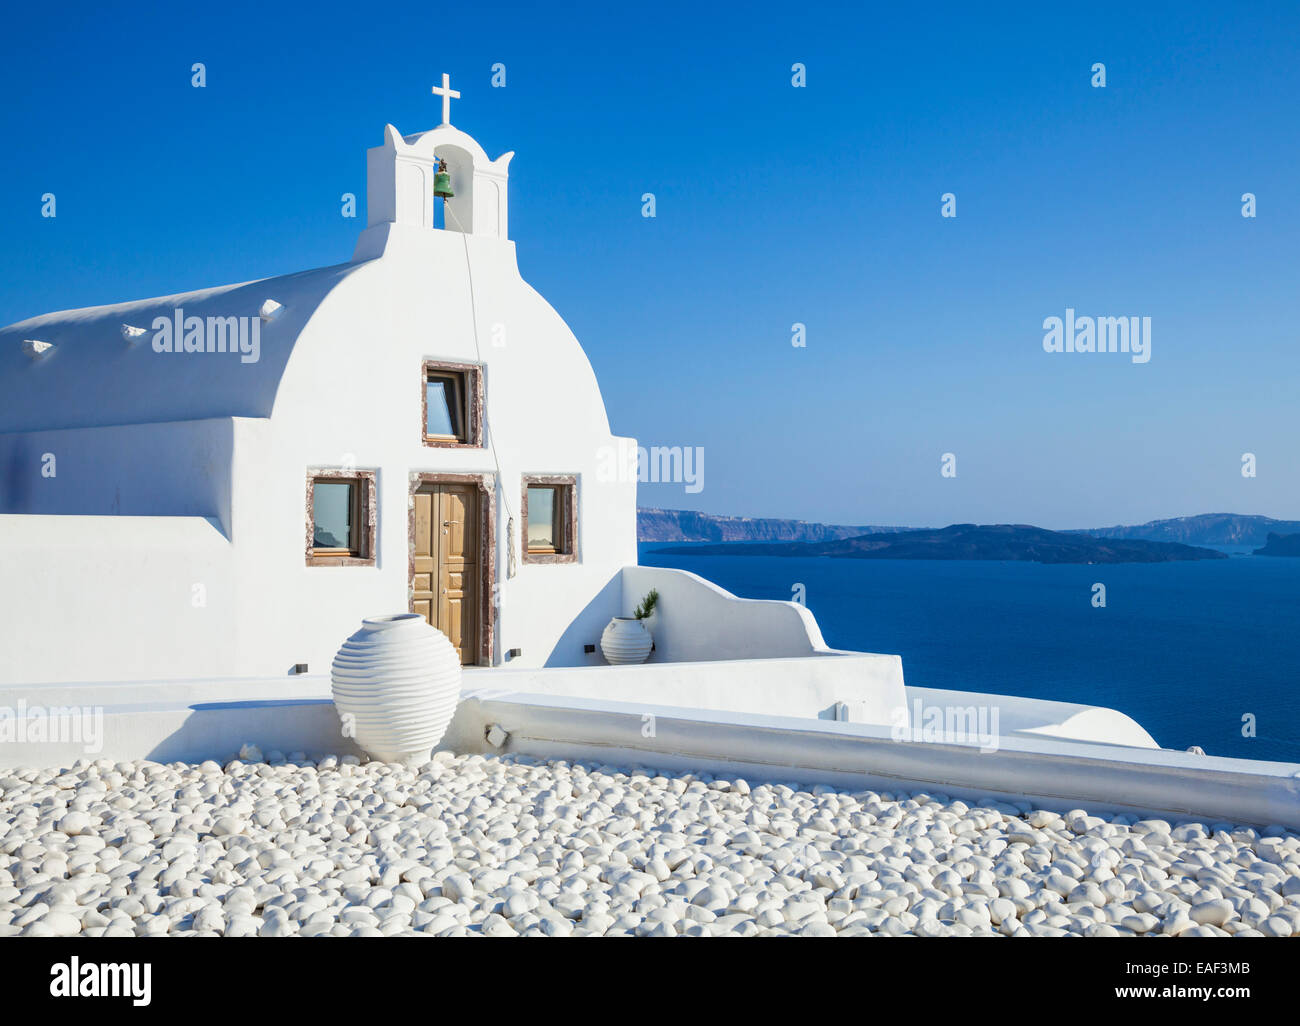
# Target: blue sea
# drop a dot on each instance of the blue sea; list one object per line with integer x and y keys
{"x": 1186, "y": 649}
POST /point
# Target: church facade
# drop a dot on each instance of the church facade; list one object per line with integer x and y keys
{"x": 223, "y": 482}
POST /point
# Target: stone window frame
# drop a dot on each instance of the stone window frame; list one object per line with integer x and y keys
{"x": 487, "y": 517}
{"x": 472, "y": 379}
{"x": 568, "y": 486}
{"x": 365, "y": 517}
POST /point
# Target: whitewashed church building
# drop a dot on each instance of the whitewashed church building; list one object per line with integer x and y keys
{"x": 223, "y": 482}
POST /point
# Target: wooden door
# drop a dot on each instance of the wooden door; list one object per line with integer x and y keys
{"x": 447, "y": 563}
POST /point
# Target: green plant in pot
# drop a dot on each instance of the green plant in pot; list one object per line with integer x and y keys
{"x": 648, "y": 603}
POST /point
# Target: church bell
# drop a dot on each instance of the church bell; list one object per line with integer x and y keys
{"x": 442, "y": 181}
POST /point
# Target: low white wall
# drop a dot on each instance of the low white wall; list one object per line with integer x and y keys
{"x": 166, "y": 721}
{"x": 871, "y": 686}
{"x": 696, "y": 620}
{"x": 144, "y": 597}
{"x": 1035, "y": 716}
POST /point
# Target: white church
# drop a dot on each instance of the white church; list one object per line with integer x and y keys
{"x": 225, "y": 481}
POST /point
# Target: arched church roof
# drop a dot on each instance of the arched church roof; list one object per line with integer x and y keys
{"x": 99, "y": 366}
{"x": 95, "y": 375}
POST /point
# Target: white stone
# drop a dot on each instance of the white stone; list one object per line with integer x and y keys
{"x": 1212, "y": 913}
{"x": 59, "y": 923}
{"x": 1276, "y": 926}
{"x": 228, "y": 825}
{"x": 74, "y": 823}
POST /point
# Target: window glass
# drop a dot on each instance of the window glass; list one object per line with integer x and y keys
{"x": 443, "y": 408}
{"x": 541, "y": 517}
{"x": 332, "y": 513}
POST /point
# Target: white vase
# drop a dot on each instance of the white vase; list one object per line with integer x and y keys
{"x": 396, "y": 683}
{"x": 626, "y": 640}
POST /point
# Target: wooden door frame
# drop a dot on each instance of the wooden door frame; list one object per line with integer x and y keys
{"x": 487, "y": 550}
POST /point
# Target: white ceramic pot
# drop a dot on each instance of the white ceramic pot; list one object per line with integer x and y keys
{"x": 396, "y": 683}
{"x": 626, "y": 640}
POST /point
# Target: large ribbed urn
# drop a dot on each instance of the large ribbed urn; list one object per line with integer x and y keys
{"x": 626, "y": 640}
{"x": 396, "y": 683}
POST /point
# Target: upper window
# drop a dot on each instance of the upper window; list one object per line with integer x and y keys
{"x": 550, "y": 519}
{"x": 453, "y": 404}
{"x": 340, "y": 523}
{"x": 444, "y": 406}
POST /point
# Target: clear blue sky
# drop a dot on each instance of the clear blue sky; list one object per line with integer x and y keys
{"x": 775, "y": 205}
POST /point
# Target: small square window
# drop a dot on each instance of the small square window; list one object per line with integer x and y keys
{"x": 339, "y": 522}
{"x": 453, "y": 404}
{"x": 550, "y": 519}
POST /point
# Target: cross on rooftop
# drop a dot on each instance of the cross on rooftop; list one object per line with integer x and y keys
{"x": 448, "y": 94}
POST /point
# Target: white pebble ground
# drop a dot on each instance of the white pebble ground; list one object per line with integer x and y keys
{"x": 505, "y": 846}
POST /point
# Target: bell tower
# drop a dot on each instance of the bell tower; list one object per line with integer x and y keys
{"x": 405, "y": 180}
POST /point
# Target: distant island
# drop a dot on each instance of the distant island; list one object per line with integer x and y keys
{"x": 669, "y": 525}
{"x": 973, "y": 541}
{"x": 1203, "y": 529}
{"x": 1280, "y": 545}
